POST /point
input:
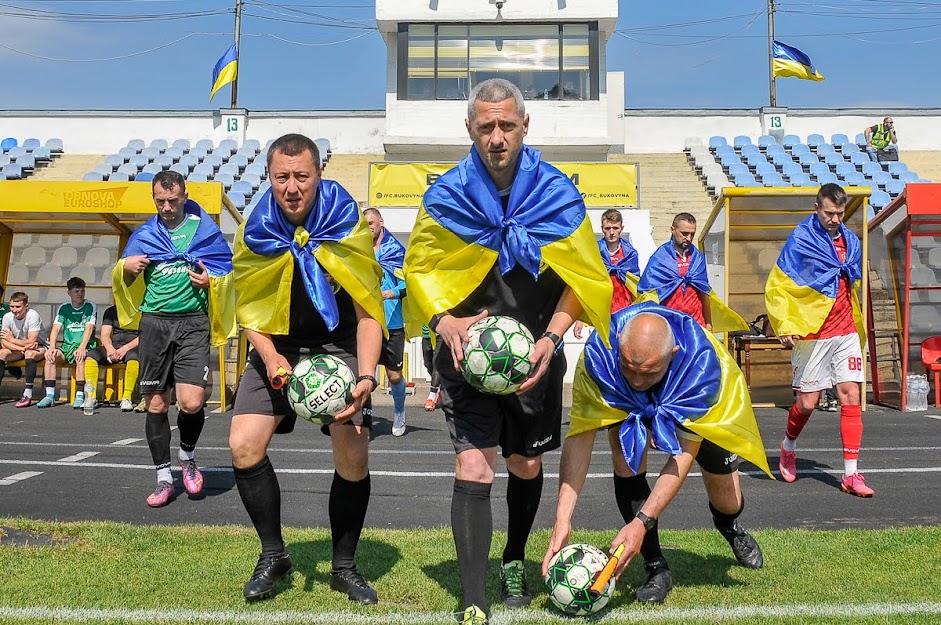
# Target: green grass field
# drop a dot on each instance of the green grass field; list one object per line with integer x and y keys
{"x": 115, "y": 573}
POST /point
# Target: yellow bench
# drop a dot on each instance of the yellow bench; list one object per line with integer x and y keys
{"x": 114, "y": 378}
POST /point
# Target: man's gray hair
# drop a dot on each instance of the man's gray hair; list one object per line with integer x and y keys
{"x": 494, "y": 90}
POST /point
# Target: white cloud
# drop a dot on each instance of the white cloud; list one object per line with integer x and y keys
{"x": 44, "y": 38}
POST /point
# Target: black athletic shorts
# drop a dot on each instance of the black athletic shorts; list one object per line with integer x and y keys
{"x": 392, "y": 356}
{"x": 714, "y": 459}
{"x": 529, "y": 424}
{"x": 100, "y": 354}
{"x": 174, "y": 349}
{"x": 255, "y": 395}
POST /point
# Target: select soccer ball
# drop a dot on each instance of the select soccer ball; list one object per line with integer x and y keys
{"x": 571, "y": 573}
{"x": 496, "y": 355}
{"x": 320, "y": 387}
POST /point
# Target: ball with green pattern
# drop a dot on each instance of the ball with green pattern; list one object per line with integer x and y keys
{"x": 496, "y": 355}
{"x": 571, "y": 573}
{"x": 319, "y": 387}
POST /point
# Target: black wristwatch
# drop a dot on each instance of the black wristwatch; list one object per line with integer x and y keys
{"x": 648, "y": 521}
{"x": 375, "y": 382}
{"x": 555, "y": 338}
{"x": 436, "y": 319}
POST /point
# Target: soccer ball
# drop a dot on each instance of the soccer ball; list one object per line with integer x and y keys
{"x": 496, "y": 355}
{"x": 571, "y": 573}
{"x": 320, "y": 387}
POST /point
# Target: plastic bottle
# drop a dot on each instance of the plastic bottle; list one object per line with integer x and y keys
{"x": 88, "y": 408}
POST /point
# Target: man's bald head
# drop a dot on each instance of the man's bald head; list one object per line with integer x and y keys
{"x": 646, "y": 346}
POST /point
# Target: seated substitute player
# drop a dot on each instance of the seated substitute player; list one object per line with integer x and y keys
{"x": 813, "y": 304}
{"x": 76, "y": 320}
{"x": 305, "y": 233}
{"x": 503, "y": 233}
{"x": 390, "y": 254}
{"x": 668, "y": 380}
{"x": 22, "y": 338}
{"x": 676, "y": 277}
{"x": 119, "y": 345}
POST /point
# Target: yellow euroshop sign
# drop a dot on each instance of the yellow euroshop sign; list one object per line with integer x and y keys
{"x": 602, "y": 185}
{"x": 97, "y": 197}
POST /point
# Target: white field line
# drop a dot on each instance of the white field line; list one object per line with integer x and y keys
{"x": 420, "y": 474}
{"x": 123, "y": 441}
{"x": 79, "y": 456}
{"x": 620, "y": 615}
{"x": 19, "y": 477}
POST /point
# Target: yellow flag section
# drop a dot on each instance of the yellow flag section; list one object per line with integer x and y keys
{"x": 602, "y": 185}
{"x": 730, "y": 423}
{"x": 264, "y": 282}
{"x": 441, "y": 271}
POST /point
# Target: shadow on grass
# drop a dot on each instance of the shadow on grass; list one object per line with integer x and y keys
{"x": 445, "y": 574}
{"x": 373, "y": 559}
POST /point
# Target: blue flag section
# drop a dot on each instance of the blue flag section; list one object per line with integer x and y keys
{"x": 269, "y": 233}
{"x": 663, "y": 275}
{"x": 544, "y": 207}
{"x": 391, "y": 253}
{"x": 225, "y": 70}
{"x": 789, "y": 61}
{"x": 627, "y": 265}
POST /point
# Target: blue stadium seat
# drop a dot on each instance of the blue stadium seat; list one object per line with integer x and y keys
{"x": 119, "y": 176}
{"x": 114, "y": 160}
{"x": 766, "y": 141}
{"x": 42, "y": 154}
{"x": 5, "y": 160}
{"x": 242, "y": 186}
{"x": 905, "y": 176}
{"x": 199, "y": 152}
{"x": 807, "y": 159}
{"x": 747, "y": 181}
{"x": 833, "y": 159}
{"x": 137, "y": 145}
{"x": 800, "y": 180}
{"x": 781, "y": 159}
{"x": 228, "y": 144}
{"x": 104, "y": 169}
{"x": 897, "y": 167}
{"x": 93, "y": 176}
{"x": 856, "y": 179}
{"x": 237, "y": 199}
{"x": 727, "y": 160}
{"x": 174, "y": 152}
{"x": 150, "y": 153}
{"x": 31, "y": 144}
{"x": 894, "y": 187}
{"x": 144, "y": 176}
{"x": 203, "y": 169}
{"x": 861, "y": 140}
{"x": 55, "y": 146}
{"x": 27, "y": 162}
{"x": 206, "y": 144}
{"x": 17, "y": 152}
{"x": 739, "y": 141}
{"x": 160, "y": 144}
{"x": 791, "y": 169}
{"x": 251, "y": 144}
{"x": 827, "y": 178}
{"x": 12, "y": 171}
{"x": 738, "y": 169}
{"x": 215, "y": 160}
{"x": 765, "y": 168}
{"x": 256, "y": 169}
{"x": 849, "y": 148}
{"x": 879, "y": 199}
{"x": 825, "y": 148}
{"x": 789, "y": 141}
{"x": 860, "y": 159}
{"x": 714, "y": 142}
{"x": 323, "y": 146}
{"x": 127, "y": 153}
{"x": 870, "y": 168}
{"x": 8, "y": 144}
{"x": 128, "y": 169}
{"x": 181, "y": 169}
{"x": 749, "y": 148}
{"x": 239, "y": 160}
{"x": 814, "y": 140}
{"x": 255, "y": 180}
{"x": 799, "y": 148}
{"x": 819, "y": 169}
{"x": 755, "y": 158}
{"x": 722, "y": 149}
{"x": 773, "y": 179}
{"x": 844, "y": 169}
{"x": 151, "y": 168}
{"x": 139, "y": 160}
{"x": 197, "y": 177}
{"x": 226, "y": 180}
{"x": 230, "y": 169}
{"x": 881, "y": 178}
{"x": 189, "y": 160}
{"x": 775, "y": 148}
{"x": 182, "y": 144}
{"x": 164, "y": 161}
{"x": 839, "y": 139}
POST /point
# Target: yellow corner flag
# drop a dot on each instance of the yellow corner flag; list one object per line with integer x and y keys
{"x": 225, "y": 71}
{"x": 789, "y": 61}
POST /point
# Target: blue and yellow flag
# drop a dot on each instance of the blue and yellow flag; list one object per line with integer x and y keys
{"x": 789, "y": 61}
{"x": 803, "y": 284}
{"x": 333, "y": 244}
{"x": 627, "y": 269}
{"x": 662, "y": 277}
{"x": 225, "y": 71}
{"x": 703, "y": 390}
{"x": 207, "y": 246}
{"x": 391, "y": 254}
{"x": 462, "y": 230}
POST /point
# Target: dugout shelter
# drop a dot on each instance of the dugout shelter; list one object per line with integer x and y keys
{"x": 905, "y": 290}
{"x": 742, "y": 239}
{"x": 51, "y": 230}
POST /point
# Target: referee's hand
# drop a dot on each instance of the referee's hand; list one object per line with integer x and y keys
{"x": 541, "y": 357}
{"x": 453, "y": 331}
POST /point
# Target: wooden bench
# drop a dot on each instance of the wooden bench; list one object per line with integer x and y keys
{"x": 114, "y": 378}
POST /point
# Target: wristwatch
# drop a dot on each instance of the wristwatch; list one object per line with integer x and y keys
{"x": 648, "y": 521}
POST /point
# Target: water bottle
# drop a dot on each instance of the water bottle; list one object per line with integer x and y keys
{"x": 88, "y": 408}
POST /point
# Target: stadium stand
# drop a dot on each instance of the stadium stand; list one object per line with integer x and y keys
{"x": 791, "y": 162}
{"x": 19, "y": 161}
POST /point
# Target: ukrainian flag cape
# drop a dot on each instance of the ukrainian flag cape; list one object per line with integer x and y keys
{"x": 627, "y": 269}
{"x": 334, "y": 240}
{"x": 803, "y": 284}
{"x": 462, "y": 230}
{"x": 391, "y": 254}
{"x": 703, "y": 390}
{"x": 662, "y": 277}
{"x": 208, "y": 246}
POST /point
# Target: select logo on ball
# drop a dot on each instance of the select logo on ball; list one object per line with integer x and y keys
{"x": 319, "y": 388}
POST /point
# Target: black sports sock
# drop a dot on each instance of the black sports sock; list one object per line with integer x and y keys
{"x": 631, "y": 493}
{"x": 30, "y": 370}
{"x": 472, "y": 527}
{"x": 261, "y": 495}
{"x": 722, "y": 520}
{"x": 347, "y": 507}
{"x": 157, "y": 430}
{"x": 3, "y": 368}
{"x": 522, "y": 502}
{"x": 191, "y": 426}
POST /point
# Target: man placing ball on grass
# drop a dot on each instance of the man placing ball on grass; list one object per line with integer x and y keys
{"x": 503, "y": 233}
{"x": 307, "y": 283}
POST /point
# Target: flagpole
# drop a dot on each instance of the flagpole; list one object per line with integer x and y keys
{"x": 238, "y": 28}
{"x": 771, "y": 80}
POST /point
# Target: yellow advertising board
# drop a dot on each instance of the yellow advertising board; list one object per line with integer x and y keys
{"x": 602, "y": 185}
{"x": 55, "y": 197}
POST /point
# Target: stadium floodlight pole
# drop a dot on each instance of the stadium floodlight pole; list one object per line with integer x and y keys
{"x": 771, "y": 82}
{"x": 238, "y": 48}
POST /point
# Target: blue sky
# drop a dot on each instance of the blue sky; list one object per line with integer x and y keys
{"x": 327, "y": 54}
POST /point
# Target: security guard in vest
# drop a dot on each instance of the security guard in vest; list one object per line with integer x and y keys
{"x": 881, "y": 142}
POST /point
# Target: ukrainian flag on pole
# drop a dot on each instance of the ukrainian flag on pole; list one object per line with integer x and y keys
{"x": 789, "y": 61}
{"x": 225, "y": 71}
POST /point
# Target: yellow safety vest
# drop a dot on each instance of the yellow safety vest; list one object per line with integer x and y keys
{"x": 881, "y": 137}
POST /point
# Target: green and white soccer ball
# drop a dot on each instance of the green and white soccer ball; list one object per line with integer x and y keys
{"x": 571, "y": 574}
{"x": 319, "y": 387}
{"x": 496, "y": 355}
